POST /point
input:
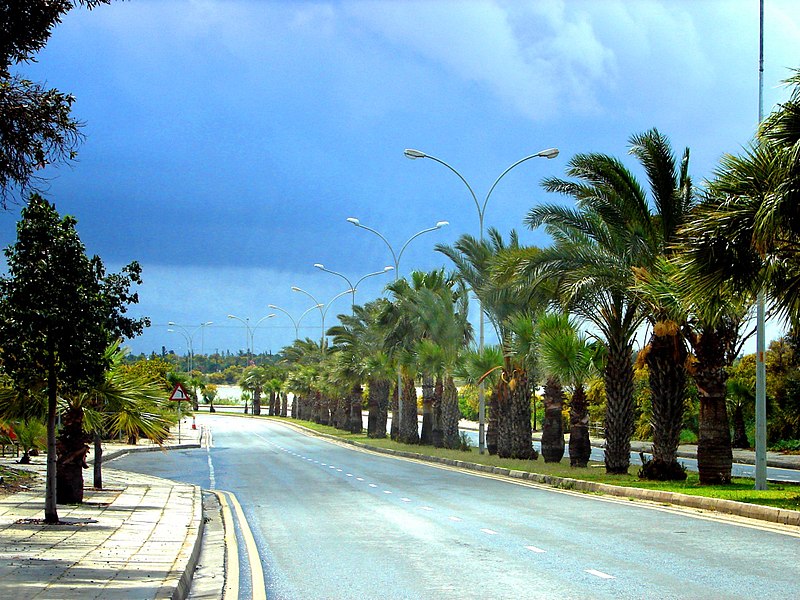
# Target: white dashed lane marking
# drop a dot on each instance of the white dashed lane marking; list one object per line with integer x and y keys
{"x": 534, "y": 549}
{"x": 489, "y": 531}
{"x": 599, "y": 574}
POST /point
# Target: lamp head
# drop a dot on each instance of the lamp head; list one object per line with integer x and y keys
{"x": 270, "y": 315}
{"x": 296, "y": 289}
{"x": 549, "y": 153}
{"x": 170, "y": 331}
{"x": 231, "y": 317}
{"x": 320, "y": 305}
{"x": 319, "y": 265}
{"x": 388, "y": 269}
{"x": 271, "y": 306}
{"x": 353, "y": 220}
{"x": 441, "y": 224}
{"x": 170, "y": 323}
{"x": 413, "y": 154}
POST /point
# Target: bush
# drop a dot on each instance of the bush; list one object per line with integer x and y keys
{"x": 468, "y": 402}
{"x": 464, "y": 443}
{"x": 792, "y": 446}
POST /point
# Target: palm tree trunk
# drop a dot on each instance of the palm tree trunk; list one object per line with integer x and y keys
{"x": 552, "y": 426}
{"x": 666, "y": 361}
{"x": 98, "y": 461}
{"x": 409, "y": 427}
{"x": 378, "y": 402}
{"x": 618, "y": 378}
{"x": 450, "y": 414}
{"x": 426, "y": 437}
{"x": 340, "y": 409}
{"x": 503, "y": 395}
{"x": 71, "y": 449}
{"x": 520, "y": 406}
{"x": 439, "y": 413}
{"x": 739, "y": 428}
{"x": 395, "y": 429}
{"x": 257, "y": 401}
{"x": 714, "y": 453}
{"x": 356, "y": 423}
{"x": 580, "y": 447}
{"x": 284, "y": 403}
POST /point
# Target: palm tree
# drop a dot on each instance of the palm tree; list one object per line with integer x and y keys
{"x": 509, "y": 431}
{"x": 253, "y": 380}
{"x": 597, "y": 245}
{"x": 358, "y": 339}
{"x": 567, "y": 357}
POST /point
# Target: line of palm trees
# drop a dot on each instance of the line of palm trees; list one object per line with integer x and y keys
{"x": 684, "y": 262}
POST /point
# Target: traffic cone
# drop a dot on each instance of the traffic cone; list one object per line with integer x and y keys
{"x": 194, "y": 425}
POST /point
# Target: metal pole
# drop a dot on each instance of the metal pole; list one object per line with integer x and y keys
{"x": 761, "y": 369}
{"x": 414, "y": 154}
{"x": 396, "y": 259}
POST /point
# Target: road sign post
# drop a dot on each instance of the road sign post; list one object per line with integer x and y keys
{"x": 179, "y": 395}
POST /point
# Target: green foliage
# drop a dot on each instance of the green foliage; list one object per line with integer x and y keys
{"x": 788, "y": 446}
{"x": 31, "y": 434}
{"x": 154, "y": 369}
{"x": 36, "y": 125}
{"x": 59, "y": 309}
{"x": 464, "y": 443}
{"x": 468, "y": 401}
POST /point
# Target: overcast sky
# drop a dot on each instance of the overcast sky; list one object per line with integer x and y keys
{"x": 227, "y": 142}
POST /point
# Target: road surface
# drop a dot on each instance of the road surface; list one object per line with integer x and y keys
{"x": 333, "y": 522}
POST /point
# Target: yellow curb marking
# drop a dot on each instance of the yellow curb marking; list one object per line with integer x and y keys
{"x": 256, "y": 572}
{"x": 231, "y": 591}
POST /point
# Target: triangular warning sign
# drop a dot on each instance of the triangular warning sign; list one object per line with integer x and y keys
{"x": 179, "y": 393}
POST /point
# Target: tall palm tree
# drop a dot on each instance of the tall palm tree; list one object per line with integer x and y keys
{"x": 509, "y": 431}
{"x": 254, "y": 379}
{"x": 596, "y": 246}
{"x": 406, "y": 325}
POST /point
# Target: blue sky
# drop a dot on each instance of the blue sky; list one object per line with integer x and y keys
{"x": 228, "y": 141}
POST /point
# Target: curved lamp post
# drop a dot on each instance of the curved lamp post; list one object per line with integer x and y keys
{"x": 321, "y": 267}
{"x": 414, "y": 154}
{"x": 250, "y": 330}
{"x": 396, "y": 258}
{"x": 295, "y": 323}
{"x": 189, "y": 339}
{"x": 188, "y": 347}
{"x": 323, "y": 310}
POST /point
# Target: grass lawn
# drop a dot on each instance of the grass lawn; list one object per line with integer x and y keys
{"x": 740, "y": 490}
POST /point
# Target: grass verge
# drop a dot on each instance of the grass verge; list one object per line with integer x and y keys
{"x": 786, "y": 496}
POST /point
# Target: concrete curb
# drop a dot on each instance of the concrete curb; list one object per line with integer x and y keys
{"x": 194, "y": 536}
{"x": 731, "y": 507}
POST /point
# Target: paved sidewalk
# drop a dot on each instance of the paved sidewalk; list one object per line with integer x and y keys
{"x": 139, "y": 537}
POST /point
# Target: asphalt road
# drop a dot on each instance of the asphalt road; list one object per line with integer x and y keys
{"x": 332, "y": 522}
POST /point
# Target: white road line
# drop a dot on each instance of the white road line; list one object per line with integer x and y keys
{"x": 338, "y": 470}
{"x": 454, "y": 519}
{"x": 599, "y": 574}
{"x": 386, "y": 492}
{"x": 489, "y": 531}
{"x": 406, "y": 499}
{"x": 359, "y": 479}
{"x": 534, "y": 549}
{"x": 426, "y": 508}
{"x": 372, "y": 485}
{"x": 349, "y": 474}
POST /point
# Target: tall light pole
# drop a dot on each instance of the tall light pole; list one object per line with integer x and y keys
{"x": 321, "y": 267}
{"x": 250, "y": 331}
{"x": 323, "y": 310}
{"x": 190, "y": 339}
{"x": 414, "y": 154}
{"x": 295, "y": 323}
{"x": 188, "y": 347}
{"x": 761, "y": 345}
{"x": 396, "y": 258}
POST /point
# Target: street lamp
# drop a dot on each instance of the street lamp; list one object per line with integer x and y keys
{"x": 321, "y": 267}
{"x": 188, "y": 347}
{"x": 190, "y": 339}
{"x": 322, "y": 311}
{"x": 396, "y": 258}
{"x": 295, "y": 323}
{"x": 250, "y": 331}
{"x": 414, "y": 154}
